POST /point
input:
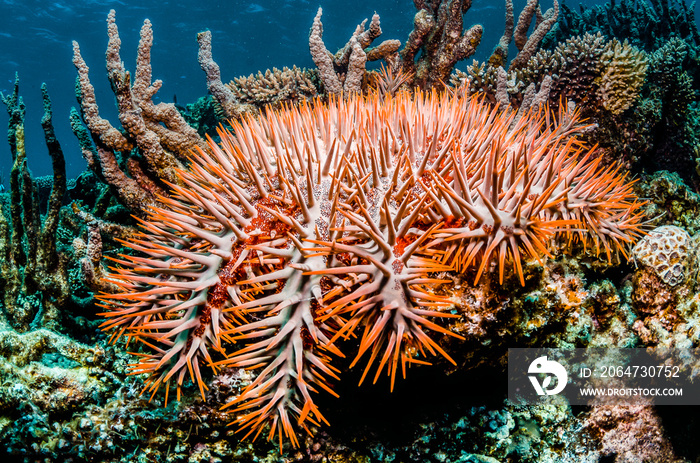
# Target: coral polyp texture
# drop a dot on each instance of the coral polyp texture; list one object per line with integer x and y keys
{"x": 665, "y": 249}
{"x": 312, "y": 225}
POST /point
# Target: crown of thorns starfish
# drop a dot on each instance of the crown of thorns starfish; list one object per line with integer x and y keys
{"x": 317, "y": 223}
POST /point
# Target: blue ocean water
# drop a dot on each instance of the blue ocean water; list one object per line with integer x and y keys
{"x": 35, "y": 41}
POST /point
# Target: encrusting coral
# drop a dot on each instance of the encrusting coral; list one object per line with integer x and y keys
{"x": 311, "y": 224}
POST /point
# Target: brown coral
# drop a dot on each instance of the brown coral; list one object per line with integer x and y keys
{"x": 437, "y": 41}
{"x": 344, "y": 71}
{"x": 624, "y": 69}
{"x": 158, "y": 131}
{"x": 275, "y": 86}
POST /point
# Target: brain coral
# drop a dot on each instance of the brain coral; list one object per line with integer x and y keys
{"x": 313, "y": 224}
{"x": 666, "y": 250}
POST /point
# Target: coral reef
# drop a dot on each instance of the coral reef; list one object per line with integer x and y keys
{"x": 575, "y": 62}
{"x": 595, "y": 74}
{"x": 646, "y": 25}
{"x": 643, "y": 104}
{"x": 666, "y": 300}
{"x": 671, "y": 202}
{"x": 660, "y": 129}
{"x": 401, "y": 227}
{"x": 287, "y": 240}
{"x": 670, "y": 107}
{"x": 629, "y": 433}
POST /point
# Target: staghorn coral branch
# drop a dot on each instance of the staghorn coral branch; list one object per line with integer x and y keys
{"x": 33, "y": 269}
{"x": 108, "y": 135}
{"x": 89, "y": 251}
{"x": 158, "y": 132}
{"x": 15, "y": 136}
{"x": 527, "y": 48}
{"x": 356, "y": 67}
{"x": 48, "y": 256}
{"x": 221, "y": 93}
{"x": 131, "y": 115}
{"x": 499, "y": 57}
{"x": 343, "y": 72}
{"x": 322, "y": 57}
{"x": 438, "y": 34}
{"x": 104, "y": 163}
{"x": 524, "y": 21}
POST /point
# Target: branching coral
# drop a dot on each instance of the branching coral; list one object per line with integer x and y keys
{"x": 647, "y": 25}
{"x": 158, "y": 132}
{"x": 313, "y": 223}
{"x": 592, "y": 73}
{"x": 227, "y": 103}
{"x": 33, "y": 274}
{"x": 576, "y": 65}
{"x": 669, "y": 106}
{"x": 526, "y": 45}
{"x": 89, "y": 250}
{"x": 275, "y": 86}
{"x": 437, "y": 41}
{"x": 343, "y": 72}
